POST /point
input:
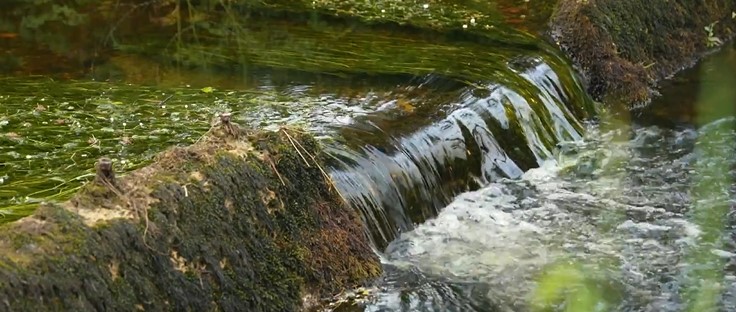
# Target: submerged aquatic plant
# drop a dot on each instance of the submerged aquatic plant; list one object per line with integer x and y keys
{"x": 47, "y": 152}
{"x": 569, "y": 282}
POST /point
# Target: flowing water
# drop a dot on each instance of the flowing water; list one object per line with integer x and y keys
{"x": 399, "y": 177}
{"x": 474, "y": 161}
{"x": 618, "y": 208}
{"x": 634, "y": 214}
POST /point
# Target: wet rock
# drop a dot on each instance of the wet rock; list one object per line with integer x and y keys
{"x": 219, "y": 225}
{"x": 624, "y": 48}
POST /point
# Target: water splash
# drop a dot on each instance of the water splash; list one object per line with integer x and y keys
{"x": 487, "y": 247}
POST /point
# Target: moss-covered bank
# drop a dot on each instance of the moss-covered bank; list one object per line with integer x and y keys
{"x": 625, "y": 47}
{"x": 247, "y": 224}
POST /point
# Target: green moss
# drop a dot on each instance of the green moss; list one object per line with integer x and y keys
{"x": 626, "y": 47}
{"x": 220, "y": 245}
{"x": 428, "y": 14}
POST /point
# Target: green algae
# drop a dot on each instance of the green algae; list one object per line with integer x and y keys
{"x": 336, "y": 49}
{"x": 327, "y": 44}
{"x": 54, "y": 131}
{"x": 85, "y": 34}
{"x": 349, "y": 49}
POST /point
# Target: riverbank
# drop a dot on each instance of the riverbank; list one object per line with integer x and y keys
{"x": 625, "y": 48}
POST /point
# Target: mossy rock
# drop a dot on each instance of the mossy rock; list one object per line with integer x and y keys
{"x": 248, "y": 224}
{"x": 625, "y": 47}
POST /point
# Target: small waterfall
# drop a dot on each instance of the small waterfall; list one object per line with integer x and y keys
{"x": 400, "y": 171}
{"x": 511, "y": 98}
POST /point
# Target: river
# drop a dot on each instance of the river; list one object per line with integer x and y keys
{"x": 488, "y": 180}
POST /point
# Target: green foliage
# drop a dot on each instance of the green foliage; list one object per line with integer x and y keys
{"x": 712, "y": 40}
{"x": 565, "y": 283}
{"x": 47, "y": 23}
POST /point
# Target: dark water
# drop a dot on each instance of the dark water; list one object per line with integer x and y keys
{"x": 475, "y": 162}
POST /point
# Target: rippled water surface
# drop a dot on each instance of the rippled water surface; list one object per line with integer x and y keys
{"x": 52, "y": 131}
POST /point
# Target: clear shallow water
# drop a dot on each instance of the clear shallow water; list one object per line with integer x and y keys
{"x": 52, "y": 131}
{"x": 620, "y": 209}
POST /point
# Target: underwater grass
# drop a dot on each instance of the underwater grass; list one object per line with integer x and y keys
{"x": 51, "y": 132}
{"x": 336, "y": 50}
{"x": 237, "y": 33}
{"x": 344, "y": 49}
